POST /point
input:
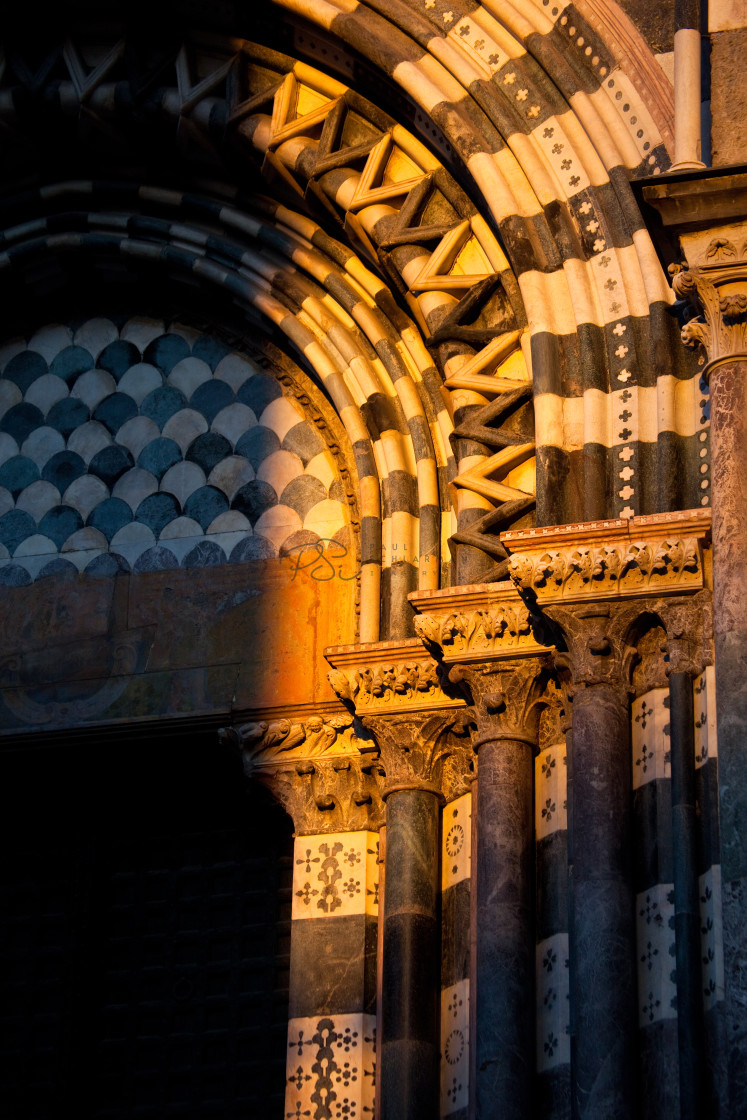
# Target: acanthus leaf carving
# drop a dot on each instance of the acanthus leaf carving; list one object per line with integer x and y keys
{"x": 598, "y": 650}
{"x": 507, "y": 695}
{"x": 493, "y": 629}
{"x": 420, "y": 750}
{"x": 398, "y": 686}
{"x": 325, "y": 776}
{"x": 618, "y": 569}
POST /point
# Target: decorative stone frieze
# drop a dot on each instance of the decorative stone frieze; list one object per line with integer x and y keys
{"x": 428, "y": 750}
{"x": 612, "y": 559}
{"x": 325, "y": 776}
{"x": 475, "y": 623}
{"x": 390, "y": 677}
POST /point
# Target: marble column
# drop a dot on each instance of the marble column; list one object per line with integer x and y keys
{"x": 684, "y": 647}
{"x": 326, "y": 779}
{"x": 716, "y": 283}
{"x": 507, "y": 699}
{"x": 602, "y": 930}
{"x": 413, "y": 750}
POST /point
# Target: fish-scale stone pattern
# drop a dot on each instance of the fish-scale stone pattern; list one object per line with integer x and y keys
{"x": 141, "y": 446}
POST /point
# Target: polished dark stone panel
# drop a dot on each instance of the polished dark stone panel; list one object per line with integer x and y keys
{"x": 714, "y": 1062}
{"x": 552, "y": 884}
{"x": 660, "y": 1071}
{"x": 553, "y": 1094}
{"x": 602, "y": 935}
{"x": 333, "y": 960}
{"x": 652, "y": 831}
{"x": 504, "y": 935}
{"x": 455, "y": 933}
{"x": 735, "y": 976}
{"x": 409, "y": 1078}
{"x": 408, "y": 1063}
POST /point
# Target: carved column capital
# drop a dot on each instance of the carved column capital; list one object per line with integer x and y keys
{"x": 714, "y": 283}
{"x": 326, "y": 778}
{"x": 598, "y": 652}
{"x": 425, "y": 750}
{"x": 689, "y": 626}
{"x": 507, "y": 697}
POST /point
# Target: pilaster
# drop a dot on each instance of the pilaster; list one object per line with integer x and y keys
{"x": 327, "y": 779}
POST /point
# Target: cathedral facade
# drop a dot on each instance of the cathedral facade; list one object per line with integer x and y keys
{"x": 373, "y": 382}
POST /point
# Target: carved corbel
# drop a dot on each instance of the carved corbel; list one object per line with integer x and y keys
{"x": 325, "y": 776}
{"x": 508, "y": 697}
{"x": 428, "y": 750}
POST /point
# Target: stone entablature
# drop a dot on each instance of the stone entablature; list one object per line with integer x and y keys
{"x": 658, "y": 554}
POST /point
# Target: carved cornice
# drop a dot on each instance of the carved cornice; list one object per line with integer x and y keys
{"x": 385, "y": 678}
{"x": 325, "y": 776}
{"x": 508, "y": 697}
{"x": 617, "y": 559}
{"x": 426, "y": 750}
{"x": 598, "y": 650}
{"x": 475, "y": 623}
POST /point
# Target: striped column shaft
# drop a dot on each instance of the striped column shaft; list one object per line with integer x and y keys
{"x": 552, "y": 955}
{"x": 331, "y": 1063}
{"x": 456, "y": 849}
{"x": 690, "y": 1020}
{"x": 709, "y": 882}
{"x": 657, "y": 995}
{"x": 409, "y": 1002}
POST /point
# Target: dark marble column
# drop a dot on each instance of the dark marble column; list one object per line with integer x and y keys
{"x": 507, "y": 696}
{"x": 602, "y": 930}
{"x": 717, "y": 287}
{"x": 413, "y": 750}
{"x": 684, "y": 622}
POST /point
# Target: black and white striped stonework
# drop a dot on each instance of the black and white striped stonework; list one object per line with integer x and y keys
{"x": 331, "y": 1057}
{"x": 456, "y": 848}
{"x": 552, "y": 956}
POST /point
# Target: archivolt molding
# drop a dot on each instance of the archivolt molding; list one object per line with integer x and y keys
{"x": 549, "y": 126}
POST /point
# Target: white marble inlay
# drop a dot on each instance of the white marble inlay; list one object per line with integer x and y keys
{"x": 454, "y": 1047}
{"x": 331, "y": 1067}
{"x": 456, "y": 836}
{"x": 550, "y": 785}
{"x": 553, "y": 1003}
{"x": 335, "y": 874}
{"x": 704, "y": 712}
{"x": 649, "y": 721}
{"x": 711, "y": 935}
{"x": 655, "y": 952}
